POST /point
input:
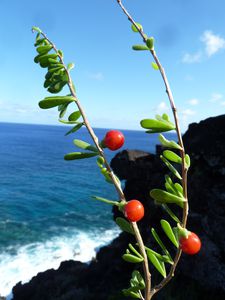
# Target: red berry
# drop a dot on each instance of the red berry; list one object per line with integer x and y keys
{"x": 134, "y": 210}
{"x": 190, "y": 245}
{"x": 114, "y": 139}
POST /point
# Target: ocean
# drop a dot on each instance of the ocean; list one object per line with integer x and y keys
{"x": 47, "y": 214}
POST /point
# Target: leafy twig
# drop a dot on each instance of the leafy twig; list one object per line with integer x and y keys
{"x": 182, "y": 151}
{"x": 101, "y": 153}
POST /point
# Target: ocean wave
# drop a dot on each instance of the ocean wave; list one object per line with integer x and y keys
{"x": 33, "y": 258}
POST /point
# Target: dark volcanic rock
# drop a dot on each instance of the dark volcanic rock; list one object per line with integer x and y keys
{"x": 197, "y": 277}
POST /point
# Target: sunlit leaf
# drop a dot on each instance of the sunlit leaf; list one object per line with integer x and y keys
{"x": 187, "y": 160}
{"x": 132, "y": 258}
{"x": 140, "y": 47}
{"x": 154, "y": 260}
{"x": 170, "y": 155}
{"x": 150, "y": 43}
{"x": 84, "y": 145}
{"x": 162, "y": 196}
{"x": 78, "y": 155}
{"x": 155, "y": 66}
{"x": 156, "y": 125}
{"x": 63, "y": 110}
{"x": 169, "y": 232}
{"x": 70, "y": 66}
{"x": 167, "y": 143}
{"x": 111, "y": 202}
{"x": 50, "y": 102}
{"x": 171, "y": 167}
{"x": 74, "y": 116}
{"x": 133, "y": 27}
{"x": 35, "y": 28}
{"x": 134, "y": 250}
{"x": 130, "y": 293}
{"x": 44, "y": 49}
{"x": 179, "y": 189}
{"x": 75, "y": 128}
{"x": 171, "y": 213}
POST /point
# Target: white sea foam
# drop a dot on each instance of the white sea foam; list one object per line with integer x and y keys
{"x": 38, "y": 257}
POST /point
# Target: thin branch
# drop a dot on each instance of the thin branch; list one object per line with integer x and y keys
{"x": 147, "y": 273}
{"x": 114, "y": 180}
{"x": 87, "y": 124}
{"x": 182, "y": 151}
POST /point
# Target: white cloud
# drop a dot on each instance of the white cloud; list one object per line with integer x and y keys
{"x": 193, "y": 101}
{"x": 186, "y": 117}
{"x": 192, "y": 58}
{"x": 188, "y": 112}
{"x": 96, "y": 76}
{"x": 161, "y": 108}
{"x": 213, "y": 43}
{"x": 223, "y": 103}
{"x": 216, "y": 97}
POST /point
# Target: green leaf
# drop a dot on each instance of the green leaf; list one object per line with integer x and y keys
{"x": 158, "y": 240}
{"x": 166, "y": 117}
{"x": 132, "y": 258}
{"x": 163, "y": 197}
{"x": 169, "y": 232}
{"x": 171, "y": 213}
{"x": 130, "y": 293}
{"x": 136, "y": 275}
{"x": 171, "y": 188}
{"x": 171, "y": 168}
{"x": 140, "y": 47}
{"x": 156, "y": 125}
{"x": 39, "y": 42}
{"x": 167, "y": 143}
{"x": 78, "y": 155}
{"x": 50, "y": 102}
{"x": 75, "y": 128}
{"x": 179, "y": 189}
{"x": 133, "y": 27}
{"x": 154, "y": 260}
{"x": 150, "y": 43}
{"x": 85, "y": 146}
{"x": 170, "y": 155}
{"x": 44, "y": 49}
{"x": 34, "y": 28}
{"x": 124, "y": 225}
{"x": 60, "y": 53}
{"x": 134, "y": 250}
{"x": 44, "y": 59}
{"x": 70, "y": 66}
{"x": 57, "y": 87}
{"x": 55, "y": 68}
{"x": 63, "y": 108}
{"x": 105, "y": 173}
{"x": 100, "y": 162}
{"x": 187, "y": 161}
{"x": 155, "y": 66}
{"x": 74, "y": 116}
{"x": 111, "y": 202}
{"x": 164, "y": 258}
{"x": 54, "y": 61}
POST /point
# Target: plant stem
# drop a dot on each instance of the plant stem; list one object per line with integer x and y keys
{"x": 115, "y": 182}
{"x": 180, "y": 141}
{"x": 147, "y": 273}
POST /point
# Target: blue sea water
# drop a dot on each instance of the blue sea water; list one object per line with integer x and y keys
{"x": 46, "y": 211}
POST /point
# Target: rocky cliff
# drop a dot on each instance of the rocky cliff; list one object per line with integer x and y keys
{"x": 197, "y": 277}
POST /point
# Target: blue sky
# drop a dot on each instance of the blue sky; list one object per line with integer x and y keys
{"x": 115, "y": 84}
